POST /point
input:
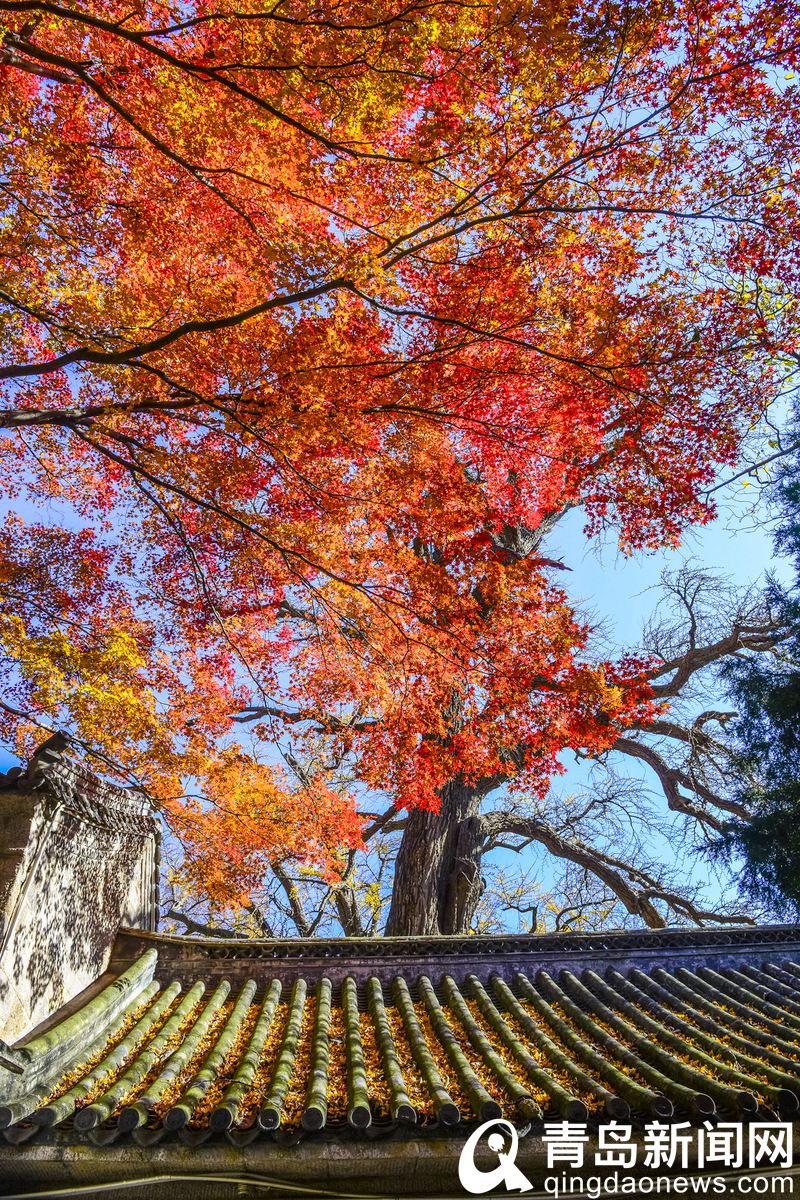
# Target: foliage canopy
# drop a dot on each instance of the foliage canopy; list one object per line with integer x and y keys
{"x": 315, "y": 320}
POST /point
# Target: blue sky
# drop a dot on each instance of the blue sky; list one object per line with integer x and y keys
{"x": 619, "y": 592}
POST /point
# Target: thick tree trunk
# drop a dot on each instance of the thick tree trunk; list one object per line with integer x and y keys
{"x": 462, "y": 880}
{"x": 437, "y": 873}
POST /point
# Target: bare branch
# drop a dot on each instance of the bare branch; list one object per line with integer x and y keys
{"x": 202, "y": 927}
{"x": 757, "y": 638}
{"x": 294, "y": 898}
{"x": 635, "y": 888}
{"x": 671, "y": 779}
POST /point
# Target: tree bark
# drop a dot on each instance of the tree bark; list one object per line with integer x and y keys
{"x": 462, "y": 879}
{"x": 437, "y": 874}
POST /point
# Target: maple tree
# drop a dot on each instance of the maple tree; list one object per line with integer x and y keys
{"x": 316, "y": 320}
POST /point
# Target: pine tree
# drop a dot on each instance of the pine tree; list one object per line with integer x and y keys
{"x": 766, "y": 690}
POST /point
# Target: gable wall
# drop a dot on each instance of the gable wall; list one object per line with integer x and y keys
{"x": 78, "y": 862}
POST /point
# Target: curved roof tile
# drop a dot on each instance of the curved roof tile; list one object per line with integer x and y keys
{"x": 153, "y": 1058}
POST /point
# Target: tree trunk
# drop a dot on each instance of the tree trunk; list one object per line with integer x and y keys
{"x": 347, "y": 910}
{"x": 437, "y": 874}
{"x": 462, "y": 876}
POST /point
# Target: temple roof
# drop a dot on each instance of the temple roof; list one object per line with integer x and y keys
{"x": 200, "y": 1040}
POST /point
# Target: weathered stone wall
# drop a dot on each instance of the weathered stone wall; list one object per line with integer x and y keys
{"x": 80, "y": 858}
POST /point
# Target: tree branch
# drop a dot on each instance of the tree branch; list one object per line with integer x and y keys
{"x": 618, "y": 875}
{"x": 10, "y": 59}
{"x": 758, "y": 638}
{"x": 202, "y": 928}
{"x": 671, "y": 778}
{"x": 85, "y": 354}
{"x": 296, "y": 907}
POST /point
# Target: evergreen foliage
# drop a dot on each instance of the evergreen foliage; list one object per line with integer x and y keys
{"x": 766, "y": 691}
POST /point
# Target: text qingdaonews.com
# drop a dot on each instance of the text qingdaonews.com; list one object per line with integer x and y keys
{"x": 596, "y": 1186}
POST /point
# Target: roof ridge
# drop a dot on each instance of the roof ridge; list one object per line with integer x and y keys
{"x": 80, "y": 789}
{"x": 444, "y": 945}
